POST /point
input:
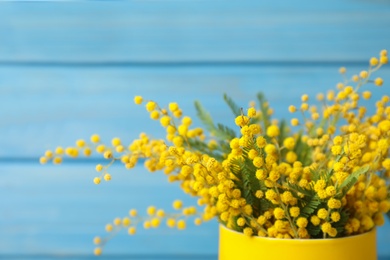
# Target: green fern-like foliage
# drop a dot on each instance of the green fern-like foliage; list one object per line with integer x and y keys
{"x": 218, "y": 153}
{"x": 309, "y": 203}
{"x": 219, "y": 131}
{"x": 223, "y": 134}
{"x": 232, "y": 105}
{"x": 245, "y": 171}
{"x": 351, "y": 180}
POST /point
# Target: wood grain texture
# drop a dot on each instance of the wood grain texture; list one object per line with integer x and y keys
{"x": 71, "y": 69}
{"x": 47, "y": 107}
{"x": 191, "y": 31}
{"x": 58, "y": 211}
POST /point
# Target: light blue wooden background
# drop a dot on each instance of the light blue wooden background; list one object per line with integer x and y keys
{"x": 70, "y": 69}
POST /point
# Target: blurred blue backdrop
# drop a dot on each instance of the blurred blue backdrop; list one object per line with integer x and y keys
{"x": 71, "y": 69}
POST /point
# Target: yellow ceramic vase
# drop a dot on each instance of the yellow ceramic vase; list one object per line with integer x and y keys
{"x": 236, "y": 246}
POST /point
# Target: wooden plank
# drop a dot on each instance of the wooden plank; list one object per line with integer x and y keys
{"x": 192, "y": 31}
{"x": 58, "y": 210}
{"x": 46, "y": 107}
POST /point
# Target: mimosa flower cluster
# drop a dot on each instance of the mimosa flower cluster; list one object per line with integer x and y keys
{"x": 323, "y": 174}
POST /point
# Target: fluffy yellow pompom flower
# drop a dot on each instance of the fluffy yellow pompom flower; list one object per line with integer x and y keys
{"x": 259, "y": 194}
{"x": 181, "y": 224}
{"x": 315, "y": 116}
{"x": 115, "y": 141}
{"x": 252, "y": 154}
{"x": 150, "y": 106}
{"x": 95, "y": 138}
{"x": 97, "y": 251}
{"x": 100, "y": 148}
{"x": 261, "y": 142}
{"x": 126, "y": 221}
{"x": 291, "y": 157}
{"x": 155, "y": 115}
{"x": 165, "y": 121}
{"x": 271, "y": 195}
{"x": 155, "y": 222}
{"x": 241, "y": 120}
{"x": 57, "y": 160}
{"x": 198, "y": 221}
{"x": 378, "y": 82}
{"x": 80, "y": 143}
{"x": 294, "y": 212}
{"x": 384, "y": 60}
{"x": 248, "y": 231}
{"x": 117, "y": 221}
{"x": 289, "y": 143}
{"x": 261, "y": 174}
{"x": 330, "y": 95}
{"x": 72, "y": 152}
{"x": 160, "y": 213}
{"x": 270, "y": 149}
{"x": 107, "y": 155}
{"x": 326, "y": 227}
{"x": 138, "y": 100}
{"x": 334, "y": 203}
{"x": 279, "y": 213}
{"x": 320, "y": 185}
{"x": 315, "y": 220}
{"x": 241, "y": 222}
{"x": 336, "y": 149}
{"x": 96, "y": 180}
{"x": 151, "y": 210}
{"x": 131, "y": 231}
{"x": 171, "y": 222}
{"x": 337, "y": 140}
{"x": 304, "y": 106}
{"x": 363, "y": 74}
{"x": 133, "y": 213}
{"x": 332, "y": 232}
{"x": 330, "y": 191}
{"x": 322, "y": 213}
{"x": 366, "y": 94}
{"x": 258, "y": 161}
{"x": 320, "y": 97}
{"x": 294, "y": 122}
{"x": 97, "y": 240}
{"x": 305, "y": 98}
{"x": 177, "y": 204}
{"x": 386, "y": 163}
{"x": 302, "y": 222}
{"x": 292, "y": 109}
{"x": 147, "y": 224}
{"x": 335, "y": 216}
{"x": 109, "y": 227}
{"x": 186, "y": 121}
{"x": 173, "y": 106}
{"x": 374, "y": 61}
{"x": 59, "y": 150}
{"x": 120, "y": 149}
{"x": 273, "y": 131}
{"x": 107, "y": 177}
{"x": 251, "y": 112}
{"x": 87, "y": 151}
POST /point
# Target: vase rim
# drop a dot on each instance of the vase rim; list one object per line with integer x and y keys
{"x": 301, "y": 239}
